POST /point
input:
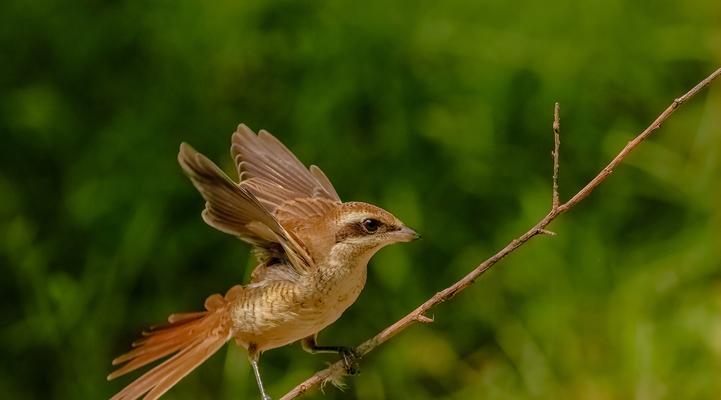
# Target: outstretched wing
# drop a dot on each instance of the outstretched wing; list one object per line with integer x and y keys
{"x": 296, "y": 195}
{"x": 233, "y": 209}
{"x": 273, "y": 174}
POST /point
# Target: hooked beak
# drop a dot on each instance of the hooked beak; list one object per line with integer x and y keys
{"x": 406, "y": 234}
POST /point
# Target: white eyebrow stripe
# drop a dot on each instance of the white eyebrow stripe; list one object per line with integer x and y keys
{"x": 352, "y": 217}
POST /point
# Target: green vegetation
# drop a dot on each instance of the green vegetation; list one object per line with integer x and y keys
{"x": 438, "y": 111}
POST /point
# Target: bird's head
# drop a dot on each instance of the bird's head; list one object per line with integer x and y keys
{"x": 365, "y": 228}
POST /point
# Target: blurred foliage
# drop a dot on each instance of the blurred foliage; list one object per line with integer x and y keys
{"x": 439, "y": 112}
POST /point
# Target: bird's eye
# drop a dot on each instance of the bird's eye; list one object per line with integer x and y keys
{"x": 370, "y": 225}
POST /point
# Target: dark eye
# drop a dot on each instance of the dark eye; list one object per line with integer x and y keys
{"x": 370, "y": 225}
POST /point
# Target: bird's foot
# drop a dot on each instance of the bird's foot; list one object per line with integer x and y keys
{"x": 350, "y": 360}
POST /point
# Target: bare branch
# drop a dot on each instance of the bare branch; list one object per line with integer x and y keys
{"x": 637, "y": 140}
{"x": 417, "y": 315}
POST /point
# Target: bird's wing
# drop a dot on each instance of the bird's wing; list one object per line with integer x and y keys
{"x": 234, "y": 209}
{"x": 294, "y": 194}
{"x": 273, "y": 174}
{"x": 304, "y": 218}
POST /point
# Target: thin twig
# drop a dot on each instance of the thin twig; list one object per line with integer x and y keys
{"x": 556, "y": 144}
{"x": 556, "y": 209}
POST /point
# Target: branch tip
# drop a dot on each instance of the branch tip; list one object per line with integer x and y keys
{"x": 555, "y": 201}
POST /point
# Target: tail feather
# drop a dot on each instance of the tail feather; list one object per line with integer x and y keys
{"x": 191, "y": 338}
{"x": 157, "y": 343}
{"x": 194, "y": 357}
{"x": 161, "y": 378}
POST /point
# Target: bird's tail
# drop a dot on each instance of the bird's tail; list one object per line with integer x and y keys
{"x": 190, "y": 337}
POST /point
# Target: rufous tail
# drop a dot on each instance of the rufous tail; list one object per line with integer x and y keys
{"x": 190, "y": 337}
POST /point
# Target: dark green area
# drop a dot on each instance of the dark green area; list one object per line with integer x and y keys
{"x": 437, "y": 111}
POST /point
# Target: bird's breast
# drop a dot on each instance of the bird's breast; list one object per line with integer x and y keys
{"x": 282, "y": 312}
{"x": 338, "y": 288}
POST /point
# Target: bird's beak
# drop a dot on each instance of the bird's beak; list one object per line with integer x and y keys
{"x": 406, "y": 234}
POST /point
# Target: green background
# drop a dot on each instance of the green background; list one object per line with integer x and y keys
{"x": 437, "y": 111}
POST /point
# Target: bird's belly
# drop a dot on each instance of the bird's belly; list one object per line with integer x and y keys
{"x": 286, "y": 319}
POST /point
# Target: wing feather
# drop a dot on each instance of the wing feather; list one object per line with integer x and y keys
{"x": 235, "y": 210}
{"x": 276, "y": 194}
{"x": 274, "y": 174}
{"x": 324, "y": 182}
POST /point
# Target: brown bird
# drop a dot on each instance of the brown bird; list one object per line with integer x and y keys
{"x": 312, "y": 251}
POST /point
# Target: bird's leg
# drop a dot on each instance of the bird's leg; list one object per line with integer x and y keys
{"x": 350, "y": 357}
{"x": 254, "y": 356}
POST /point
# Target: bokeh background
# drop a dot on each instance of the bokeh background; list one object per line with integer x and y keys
{"x": 439, "y": 112}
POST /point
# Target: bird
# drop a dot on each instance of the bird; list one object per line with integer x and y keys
{"x": 312, "y": 252}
